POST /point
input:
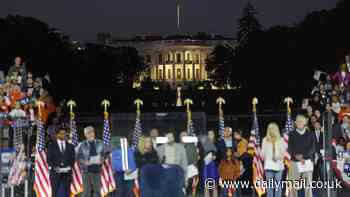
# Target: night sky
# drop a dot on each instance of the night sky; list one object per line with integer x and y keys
{"x": 82, "y": 19}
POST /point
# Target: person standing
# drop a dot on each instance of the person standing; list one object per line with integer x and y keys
{"x": 273, "y": 151}
{"x": 209, "y": 166}
{"x": 242, "y": 144}
{"x": 145, "y": 154}
{"x": 229, "y": 170}
{"x": 173, "y": 153}
{"x": 302, "y": 148}
{"x": 60, "y": 158}
{"x": 192, "y": 160}
{"x": 90, "y": 155}
{"x": 226, "y": 142}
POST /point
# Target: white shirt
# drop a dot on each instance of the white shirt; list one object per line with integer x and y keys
{"x": 61, "y": 145}
{"x": 267, "y": 154}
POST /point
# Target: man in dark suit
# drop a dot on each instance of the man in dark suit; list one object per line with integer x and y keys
{"x": 60, "y": 157}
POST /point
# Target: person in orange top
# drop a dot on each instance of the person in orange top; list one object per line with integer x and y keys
{"x": 242, "y": 144}
{"x": 345, "y": 110}
{"x": 229, "y": 170}
{"x": 15, "y": 95}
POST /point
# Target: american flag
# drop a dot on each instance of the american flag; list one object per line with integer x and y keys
{"x": 137, "y": 131}
{"x": 221, "y": 124}
{"x": 190, "y": 126}
{"x": 288, "y": 128}
{"x": 42, "y": 185}
{"x": 258, "y": 168}
{"x": 135, "y": 141}
{"x": 76, "y": 186}
{"x": 107, "y": 179}
{"x": 17, "y": 175}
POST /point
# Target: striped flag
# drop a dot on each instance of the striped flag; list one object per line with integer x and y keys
{"x": 137, "y": 131}
{"x": 135, "y": 141}
{"x": 42, "y": 185}
{"x": 190, "y": 126}
{"x": 76, "y": 186}
{"x": 258, "y": 168}
{"x": 107, "y": 179}
{"x": 17, "y": 171}
{"x": 221, "y": 124}
{"x": 288, "y": 128}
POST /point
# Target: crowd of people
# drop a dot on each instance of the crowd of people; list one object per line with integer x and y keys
{"x": 19, "y": 91}
{"x": 176, "y": 167}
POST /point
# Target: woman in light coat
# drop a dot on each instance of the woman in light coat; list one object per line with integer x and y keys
{"x": 273, "y": 152}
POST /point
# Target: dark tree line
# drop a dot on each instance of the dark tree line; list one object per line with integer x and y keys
{"x": 73, "y": 69}
{"x": 281, "y": 60}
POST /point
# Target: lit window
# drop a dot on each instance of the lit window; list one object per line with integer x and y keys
{"x": 160, "y": 74}
{"x": 169, "y": 73}
{"x": 178, "y": 73}
{"x": 197, "y": 73}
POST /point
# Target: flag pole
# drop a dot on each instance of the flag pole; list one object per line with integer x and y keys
{"x": 188, "y": 102}
{"x": 105, "y": 104}
{"x": 221, "y": 101}
{"x": 71, "y": 104}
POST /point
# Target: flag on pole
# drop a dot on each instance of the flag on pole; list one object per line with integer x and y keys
{"x": 76, "y": 186}
{"x": 221, "y": 101}
{"x": 17, "y": 171}
{"x": 137, "y": 131}
{"x": 254, "y": 142}
{"x": 288, "y": 128}
{"x": 108, "y": 183}
{"x": 221, "y": 124}
{"x": 135, "y": 141}
{"x": 190, "y": 126}
{"x": 42, "y": 185}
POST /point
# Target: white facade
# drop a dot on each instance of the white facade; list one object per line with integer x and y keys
{"x": 176, "y": 60}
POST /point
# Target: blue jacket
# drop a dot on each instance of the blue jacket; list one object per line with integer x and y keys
{"x": 117, "y": 164}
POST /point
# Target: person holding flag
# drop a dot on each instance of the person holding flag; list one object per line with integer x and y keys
{"x": 90, "y": 156}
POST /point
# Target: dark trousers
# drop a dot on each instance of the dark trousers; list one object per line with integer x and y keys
{"x": 124, "y": 187}
{"x": 60, "y": 184}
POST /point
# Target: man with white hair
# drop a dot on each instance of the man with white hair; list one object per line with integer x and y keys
{"x": 90, "y": 155}
{"x": 302, "y": 148}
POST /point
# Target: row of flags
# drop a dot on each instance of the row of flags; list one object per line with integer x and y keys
{"x": 42, "y": 184}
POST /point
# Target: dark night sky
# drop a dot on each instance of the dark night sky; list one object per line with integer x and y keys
{"x": 82, "y": 19}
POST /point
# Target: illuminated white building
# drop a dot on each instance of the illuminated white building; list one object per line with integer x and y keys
{"x": 174, "y": 59}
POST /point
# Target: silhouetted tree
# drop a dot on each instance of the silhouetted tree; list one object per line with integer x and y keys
{"x": 247, "y": 24}
{"x": 220, "y": 64}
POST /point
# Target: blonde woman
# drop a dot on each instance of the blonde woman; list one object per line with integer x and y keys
{"x": 273, "y": 151}
{"x": 145, "y": 153}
